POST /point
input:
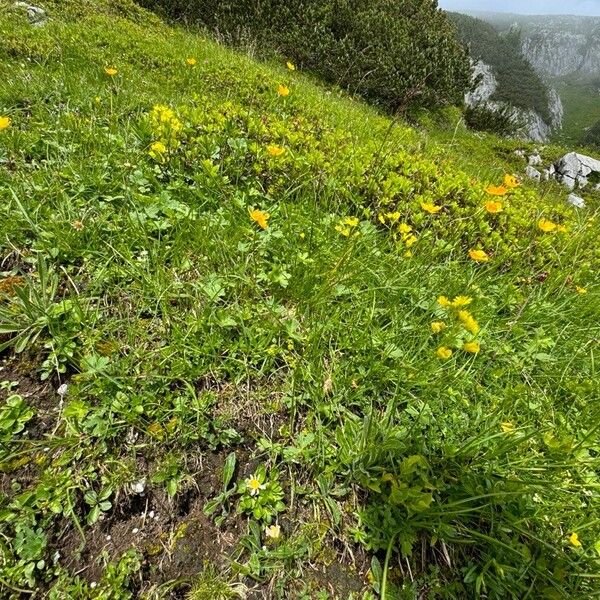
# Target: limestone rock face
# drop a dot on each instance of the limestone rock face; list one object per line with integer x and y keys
{"x": 573, "y": 169}
{"x": 562, "y": 45}
{"x": 533, "y": 127}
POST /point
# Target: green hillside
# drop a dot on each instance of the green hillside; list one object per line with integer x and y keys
{"x": 260, "y": 340}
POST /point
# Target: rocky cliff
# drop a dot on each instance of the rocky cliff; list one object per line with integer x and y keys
{"x": 534, "y": 127}
{"x": 556, "y": 46}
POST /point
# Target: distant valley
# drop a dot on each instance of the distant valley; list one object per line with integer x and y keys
{"x": 564, "y": 51}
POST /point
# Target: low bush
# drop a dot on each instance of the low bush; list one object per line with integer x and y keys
{"x": 398, "y": 54}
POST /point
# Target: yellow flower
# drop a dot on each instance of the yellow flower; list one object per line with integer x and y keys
{"x": 410, "y": 240}
{"x": 254, "y": 485}
{"x": 444, "y": 353}
{"x": 431, "y": 208}
{"x": 444, "y": 302}
{"x": 260, "y": 217}
{"x": 497, "y": 191}
{"x": 110, "y": 71}
{"x": 404, "y": 228}
{"x": 351, "y": 221}
{"x": 580, "y": 290}
{"x": 275, "y": 150}
{"x": 561, "y": 229}
{"x": 393, "y": 216}
{"x": 469, "y": 322}
{"x": 273, "y": 532}
{"x": 191, "y": 61}
{"x": 77, "y": 225}
{"x": 507, "y": 427}
{"x": 283, "y": 90}
{"x": 5, "y": 122}
{"x": 479, "y": 256}
{"x": 574, "y": 540}
{"x": 472, "y": 347}
{"x": 157, "y": 150}
{"x": 290, "y": 65}
{"x": 510, "y": 181}
{"x": 494, "y": 206}
{"x": 461, "y": 301}
{"x": 547, "y": 226}
{"x": 438, "y": 326}
{"x": 345, "y": 231}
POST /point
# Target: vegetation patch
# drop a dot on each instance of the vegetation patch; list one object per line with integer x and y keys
{"x": 258, "y": 340}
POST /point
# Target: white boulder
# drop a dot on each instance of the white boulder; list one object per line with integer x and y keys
{"x": 576, "y": 201}
{"x": 573, "y": 169}
{"x": 533, "y": 173}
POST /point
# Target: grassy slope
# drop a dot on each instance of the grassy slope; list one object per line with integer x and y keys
{"x": 580, "y": 100}
{"x": 187, "y": 334}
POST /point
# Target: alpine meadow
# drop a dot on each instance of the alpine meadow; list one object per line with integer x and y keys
{"x": 276, "y": 323}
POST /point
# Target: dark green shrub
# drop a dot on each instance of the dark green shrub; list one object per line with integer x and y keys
{"x": 592, "y": 136}
{"x": 498, "y": 121}
{"x": 397, "y": 53}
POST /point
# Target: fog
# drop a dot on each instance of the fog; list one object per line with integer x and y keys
{"x": 530, "y": 7}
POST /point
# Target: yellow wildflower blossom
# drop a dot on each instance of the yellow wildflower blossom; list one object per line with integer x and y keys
{"x": 443, "y": 353}
{"x": 273, "y": 532}
{"x": 404, "y": 228}
{"x": 494, "y": 206}
{"x": 191, "y": 61}
{"x": 275, "y": 150}
{"x": 254, "y": 485}
{"x": 431, "y": 208}
{"x": 283, "y": 90}
{"x": 580, "y": 290}
{"x": 547, "y": 226}
{"x": 260, "y": 217}
{"x": 507, "y": 427}
{"x": 472, "y": 347}
{"x": 497, "y": 190}
{"x": 510, "y": 181}
{"x": 444, "y": 302}
{"x": 410, "y": 240}
{"x": 468, "y": 321}
{"x": 574, "y": 540}
{"x": 461, "y": 301}
{"x": 345, "y": 231}
{"x": 290, "y": 65}
{"x": 5, "y": 122}
{"x": 479, "y": 256}
{"x": 157, "y": 150}
{"x": 110, "y": 71}
{"x": 438, "y": 326}
{"x": 351, "y": 221}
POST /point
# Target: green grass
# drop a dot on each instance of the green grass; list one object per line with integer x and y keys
{"x": 580, "y": 101}
{"x": 201, "y": 351}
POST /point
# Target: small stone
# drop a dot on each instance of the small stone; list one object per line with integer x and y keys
{"x": 520, "y": 153}
{"x": 138, "y": 487}
{"x": 62, "y": 390}
{"x": 535, "y": 160}
{"x": 93, "y": 585}
{"x": 108, "y": 538}
{"x": 533, "y": 173}
{"x": 151, "y": 514}
{"x": 135, "y": 530}
{"x": 576, "y": 201}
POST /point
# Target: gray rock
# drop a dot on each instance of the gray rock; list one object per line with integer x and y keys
{"x": 576, "y": 201}
{"x": 533, "y": 173}
{"x": 573, "y": 169}
{"x": 535, "y": 160}
{"x": 547, "y": 174}
{"x": 37, "y": 16}
{"x": 521, "y": 154}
